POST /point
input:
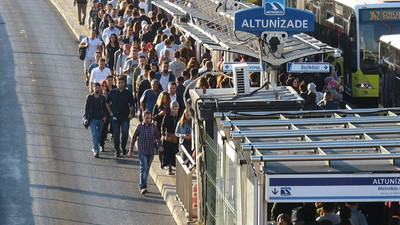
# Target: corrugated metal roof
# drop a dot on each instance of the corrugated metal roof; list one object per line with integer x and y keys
{"x": 335, "y": 141}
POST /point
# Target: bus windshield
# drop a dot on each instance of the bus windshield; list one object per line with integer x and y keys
{"x": 373, "y": 24}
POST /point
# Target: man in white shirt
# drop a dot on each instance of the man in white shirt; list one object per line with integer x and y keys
{"x": 91, "y": 44}
{"x": 328, "y": 213}
{"x": 144, "y": 5}
{"x": 120, "y": 62}
{"x": 161, "y": 45}
{"x": 111, "y": 29}
{"x": 208, "y": 67}
{"x": 172, "y": 90}
{"x": 98, "y": 74}
{"x": 131, "y": 63}
{"x": 177, "y": 66}
{"x": 193, "y": 76}
{"x": 172, "y": 39}
{"x": 167, "y": 46}
{"x": 114, "y": 14}
{"x": 164, "y": 76}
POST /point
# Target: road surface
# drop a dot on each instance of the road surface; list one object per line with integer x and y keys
{"x": 48, "y": 174}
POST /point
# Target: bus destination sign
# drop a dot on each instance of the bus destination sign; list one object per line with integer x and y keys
{"x": 389, "y": 14}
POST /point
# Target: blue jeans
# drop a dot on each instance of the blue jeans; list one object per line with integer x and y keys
{"x": 145, "y": 163}
{"x": 96, "y": 126}
{"x": 120, "y": 126}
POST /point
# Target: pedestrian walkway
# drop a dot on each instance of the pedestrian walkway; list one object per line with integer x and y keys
{"x": 165, "y": 183}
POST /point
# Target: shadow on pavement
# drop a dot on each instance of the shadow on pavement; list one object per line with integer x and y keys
{"x": 15, "y": 199}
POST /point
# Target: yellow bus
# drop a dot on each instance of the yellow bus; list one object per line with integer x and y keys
{"x": 354, "y": 26}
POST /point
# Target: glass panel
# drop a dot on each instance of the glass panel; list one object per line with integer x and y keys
{"x": 250, "y": 192}
{"x": 230, "y": 177}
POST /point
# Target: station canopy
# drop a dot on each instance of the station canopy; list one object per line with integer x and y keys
{"x": 312, "y": 142}
{"x": 210, "y": 23}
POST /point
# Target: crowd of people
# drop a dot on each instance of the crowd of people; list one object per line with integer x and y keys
{"x": 318, "y": 91}
{"x": 138, "y": 65}
{"x": 330, "y": 213}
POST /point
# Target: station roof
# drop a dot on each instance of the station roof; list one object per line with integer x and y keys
{"x": 259, "y": 99}
{"x": 334, "y": 141}
{"x": 211, "y": 24}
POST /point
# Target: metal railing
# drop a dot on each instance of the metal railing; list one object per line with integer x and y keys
{"x": 184, "y": 180}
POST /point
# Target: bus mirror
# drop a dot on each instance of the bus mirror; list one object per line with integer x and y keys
{"x": 352, "y": 27}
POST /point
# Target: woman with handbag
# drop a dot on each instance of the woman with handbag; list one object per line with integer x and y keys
{"x": 170, "y": 140}
{"x": 161, "y": 108}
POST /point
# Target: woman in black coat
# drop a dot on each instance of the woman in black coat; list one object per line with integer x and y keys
{"x": 170, "y": 140}
{"x": 161, "y": 108}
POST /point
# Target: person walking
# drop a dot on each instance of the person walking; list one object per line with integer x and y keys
{"x": 161, "y": 108}
{"x": 81, "y": 10}
{"x": 92, "y": 44}
{"x": 98, "y": 74}
{"x": 120, "y": 105}
{"x": 184, "y": 131}
{"x": 150, "y": 96}
{"x": 95, "y": 116}
{"x": 147, "y": 137}
{"x": 164, "y": 76}
{"x": 170, "y": 140}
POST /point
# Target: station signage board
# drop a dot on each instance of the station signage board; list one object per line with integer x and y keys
{"x": 272, "y": 17}
{"x": 333, "y": 188}
{"x": 311, "y": 67}
{"x": 253, "y": 66}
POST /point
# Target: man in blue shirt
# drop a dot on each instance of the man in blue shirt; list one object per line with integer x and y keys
{"x": 149, "y": 97}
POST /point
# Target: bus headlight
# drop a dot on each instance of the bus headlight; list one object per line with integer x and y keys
{"x": 364, "y": 85}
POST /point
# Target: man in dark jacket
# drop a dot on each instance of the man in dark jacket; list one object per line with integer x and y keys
{"x": 180, "y": 90}
{"x": 120, "y": 105}
{"x": 95, "y": 116}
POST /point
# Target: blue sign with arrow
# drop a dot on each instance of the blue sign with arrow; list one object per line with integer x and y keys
{"x": 274, "y": 16}
{"x": 253, "y": 66}
{"x": 311, "y": 67}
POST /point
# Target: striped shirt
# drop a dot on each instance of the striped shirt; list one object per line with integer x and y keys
{"x": 146, "y": 137}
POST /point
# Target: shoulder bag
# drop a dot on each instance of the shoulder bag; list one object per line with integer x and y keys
{"x": 82, "y": 51}
{"x": 172, "y": 138}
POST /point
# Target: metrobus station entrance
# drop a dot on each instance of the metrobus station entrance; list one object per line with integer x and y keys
{"x": 303, "y": 156}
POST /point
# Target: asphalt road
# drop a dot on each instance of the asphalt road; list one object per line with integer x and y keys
{"x": 47, "y": 172}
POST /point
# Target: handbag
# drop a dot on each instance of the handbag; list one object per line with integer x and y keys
{"x": 82, "y": 51}
{"x": 172, "y": 138}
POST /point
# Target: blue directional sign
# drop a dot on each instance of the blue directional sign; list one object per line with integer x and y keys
{"x": 274, "y": 16}
{"x": 253, "y": 66}
{"x": 332, "y": 187}
{"x": 308, "y": 67}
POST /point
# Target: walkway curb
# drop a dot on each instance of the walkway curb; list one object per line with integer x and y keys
{"x": 165, "y": 183}
{"x": 70, "y": 16}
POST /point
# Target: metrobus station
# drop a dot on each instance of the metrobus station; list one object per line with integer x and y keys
{"x": 259, "y": 147}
